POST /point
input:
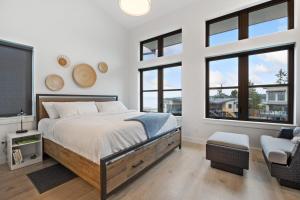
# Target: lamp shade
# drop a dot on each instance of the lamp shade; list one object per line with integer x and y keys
{"x": 135, "y": 7}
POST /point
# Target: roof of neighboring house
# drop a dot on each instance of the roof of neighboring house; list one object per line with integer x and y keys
{"x": 221, "y": 100}
{"x": 173, "y": 99}
{"x": 276, "y": 89}
{"x": 279, "y": 103}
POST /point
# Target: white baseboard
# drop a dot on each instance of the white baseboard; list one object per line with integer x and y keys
{"x": 203, "y": 142}
{"x": 193, "y": 140}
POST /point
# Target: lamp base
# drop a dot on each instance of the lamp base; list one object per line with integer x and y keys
{"x": 22, "y": 131}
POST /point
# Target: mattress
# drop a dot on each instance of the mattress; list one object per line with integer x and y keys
{"x": 95, "y": 136}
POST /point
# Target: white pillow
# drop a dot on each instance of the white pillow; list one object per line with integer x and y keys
{"x": 111, "y": 106}
{"x": 86, "y": 107}
{"x": 66, "y": 109}
{"x": 51, "y": 110}
{"x": 296, "y": 140}
{"x": 296, "y": 131}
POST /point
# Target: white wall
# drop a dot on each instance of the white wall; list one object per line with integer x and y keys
{"x": 77, "y": 28}
{"x": 192, "y": 20}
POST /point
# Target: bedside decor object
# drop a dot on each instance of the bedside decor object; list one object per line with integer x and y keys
{"x": 24, "y": 149}
{"x": 103, "y": 67}
{"x": 84, "y": 75}
{"x": 21, "y": 114}
{"x": 63, "y": 61}
{"x": 54, "y": 82}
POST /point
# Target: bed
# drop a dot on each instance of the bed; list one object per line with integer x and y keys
{"x": 104, "y": 150}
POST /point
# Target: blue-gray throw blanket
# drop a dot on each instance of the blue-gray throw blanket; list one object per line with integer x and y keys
{"x": 152, "y": 122}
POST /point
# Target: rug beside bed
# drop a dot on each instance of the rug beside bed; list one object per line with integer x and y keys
{"x": 50, "y": 177}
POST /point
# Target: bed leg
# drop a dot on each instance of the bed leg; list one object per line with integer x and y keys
{"x": 180, "y": 140}
{"x": 103, "y": 193}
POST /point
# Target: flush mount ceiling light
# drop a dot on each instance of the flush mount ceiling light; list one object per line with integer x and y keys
{"x": 135, "y": 7}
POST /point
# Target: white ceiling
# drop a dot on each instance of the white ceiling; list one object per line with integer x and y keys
{"x": 158, "y": 8}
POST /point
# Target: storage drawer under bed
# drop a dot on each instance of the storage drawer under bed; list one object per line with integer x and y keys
{"x": 130, "y": 165}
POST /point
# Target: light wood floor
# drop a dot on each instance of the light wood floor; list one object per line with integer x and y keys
{"x": 183, "y": 174}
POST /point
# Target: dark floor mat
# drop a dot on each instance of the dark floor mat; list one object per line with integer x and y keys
{"x": 50, "y": 177}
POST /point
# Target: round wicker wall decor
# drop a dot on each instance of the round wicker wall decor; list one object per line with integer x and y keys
{"x": 54, "y": 82}
{"x": 103, "y": 67}
{"x": 84, "y": 75}
{"x": 63, "y": 61}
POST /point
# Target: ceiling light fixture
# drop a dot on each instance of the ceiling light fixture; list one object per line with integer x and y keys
{"x": 135, "y": 7}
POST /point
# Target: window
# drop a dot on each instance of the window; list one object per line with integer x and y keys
{"x": 15, "y": 79}
{"x": 172, "y": 45}
{"x": 223, "y": 87}
{"x": 150, "y": 90}
{"x": 271, "y": 95}
{"x": 150, "y": 50}
{"x": 161, "y": 89}
{"x": 172, "y": 90}
{"x": 164, "y": 45}
{"x": 223, "y": 32}
{"x": 260, "y": 82}
{"x": 268, "y": 20}
{"x": 270, "y": 17}
{"x": 268, "y": 75}
{"x": 281, "y": 96}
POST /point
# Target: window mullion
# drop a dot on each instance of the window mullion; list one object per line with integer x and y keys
{"x": 243, "y": 25}
{"x": 160, "y": 90}
{"x": 291, "y": 63}
{"x": 160, "y": 46}
{"x": 207, "y": 80}
{"x": 141, "y": 51}
{"x": 290, "y": 14}
{"x": 141, "y": 92}
{"x": 243, "y": 87}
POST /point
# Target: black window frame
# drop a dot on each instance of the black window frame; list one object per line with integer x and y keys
{"x": 243, "y": 18}
{"x": 243, "y": 86}
{"x": 160, "y": 43}
{"x": 160, "y": 89}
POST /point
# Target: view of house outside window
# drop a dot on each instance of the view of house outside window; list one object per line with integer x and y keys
{"x": 161, "y": 85}
{"x": 266, "y": 102}
{"x": 162, "y": 95}
{"x": 267, "y": 87}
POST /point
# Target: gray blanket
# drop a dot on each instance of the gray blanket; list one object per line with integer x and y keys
{"x": 152, "y": 122}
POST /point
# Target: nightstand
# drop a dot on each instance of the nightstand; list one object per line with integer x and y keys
{"x": 24, "y": 149}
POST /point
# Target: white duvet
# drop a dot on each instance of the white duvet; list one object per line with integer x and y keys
{"x": 98, "y": 135}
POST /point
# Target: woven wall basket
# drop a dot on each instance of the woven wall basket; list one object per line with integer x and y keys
{"x": 63, "y": 61}
{"x": 54, "y": 82}
{"x": 84, "y": 75}
{"x": 103, "y": 67}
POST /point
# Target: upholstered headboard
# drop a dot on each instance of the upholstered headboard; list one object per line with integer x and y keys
{"x": 40, "y": 98}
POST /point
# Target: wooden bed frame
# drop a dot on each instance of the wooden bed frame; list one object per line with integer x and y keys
{"x": 116, "y": 170}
